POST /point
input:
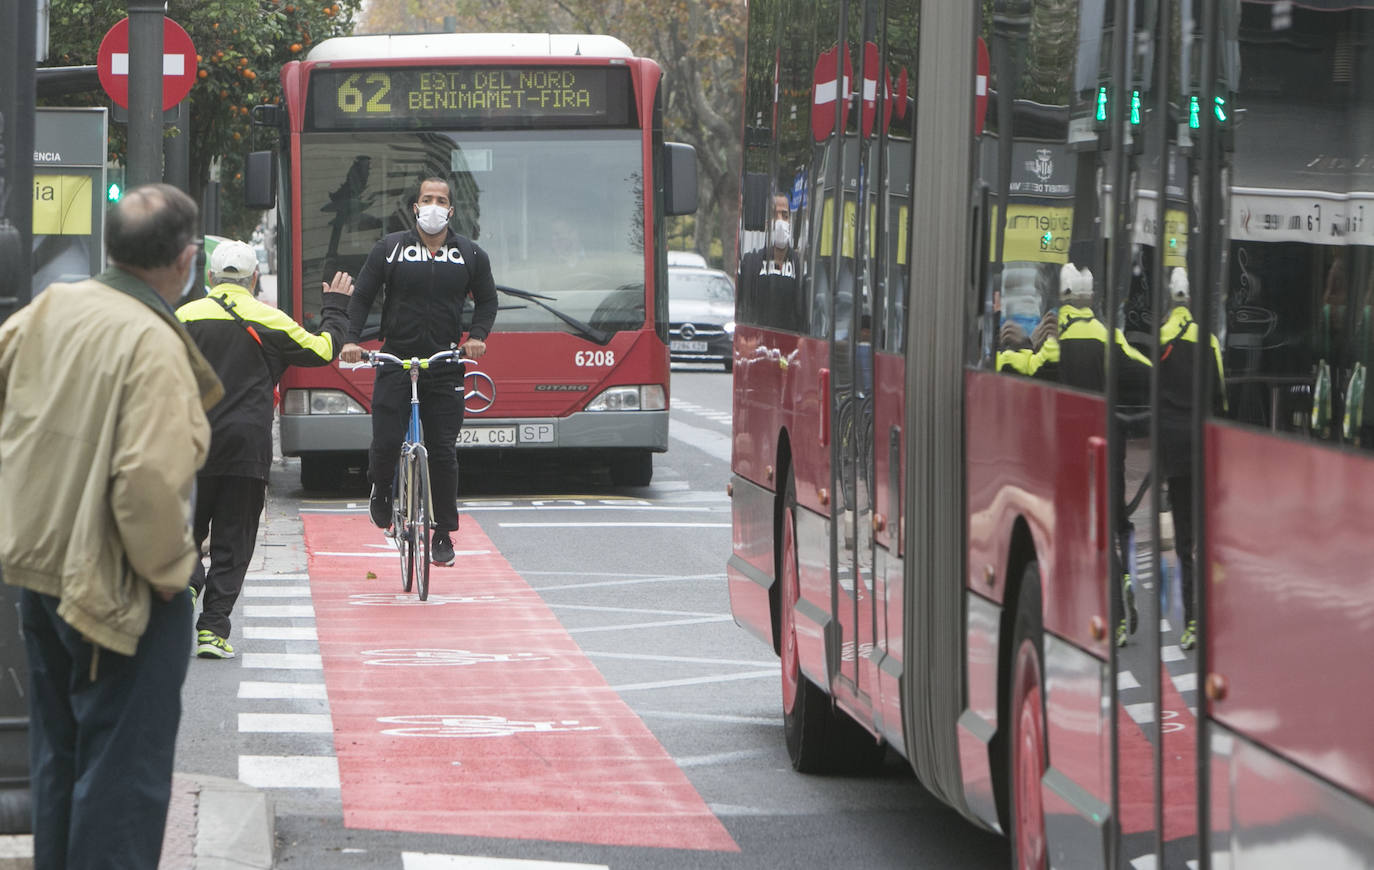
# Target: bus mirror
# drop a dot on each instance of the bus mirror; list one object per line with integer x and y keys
{"x": 756, "y": 187}
{"x": 267, "y": 115}
{"x": 680, "y": 179}
{"x": 260, "y": 179}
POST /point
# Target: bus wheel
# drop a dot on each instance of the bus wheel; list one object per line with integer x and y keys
{"x": 633, "y": 468}
{"x": 1026, "y": 756}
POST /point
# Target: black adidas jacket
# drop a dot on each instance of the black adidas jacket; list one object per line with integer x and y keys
{"x": 422, "y": 312}
{"x": 249, "y": 367}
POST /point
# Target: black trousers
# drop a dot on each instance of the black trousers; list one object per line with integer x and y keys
{"x": 227, "y": 512}
{"x": 1181, "y": 505}
{"x": 441, "y": 417}
{"x": 101, "y": 751}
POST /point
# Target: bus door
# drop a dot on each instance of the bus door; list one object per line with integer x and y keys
{"x": 846, "y": 250}
{"x": 1152, "y": 262}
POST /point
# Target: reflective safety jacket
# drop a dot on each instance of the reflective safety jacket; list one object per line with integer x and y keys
{"x": 1178, "y": 347}
{"x": 1077, "y": 357}
{"x": 250, "y": 352}
{"x": 422, "y": 312}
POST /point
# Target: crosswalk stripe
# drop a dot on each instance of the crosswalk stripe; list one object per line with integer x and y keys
{"x": 285, "y": 723}
{"x": 289, "y": 771}
{"x": 283, "y": 661}
{"x": 280, "y": 632}
{"x": 265, "y": 691}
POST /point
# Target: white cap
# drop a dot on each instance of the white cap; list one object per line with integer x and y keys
{"x": 1084, "y": 287}
{"x": 233, "y": 260}
{"x": 1068, "y": 280}
{"x": 1178, "y": 284}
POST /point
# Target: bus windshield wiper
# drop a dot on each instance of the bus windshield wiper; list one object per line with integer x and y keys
{"x": 586, "y": 330}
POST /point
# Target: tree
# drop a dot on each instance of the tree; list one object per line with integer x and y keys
{"x": 699, "y": 45}
{"x": 241, "y": 46}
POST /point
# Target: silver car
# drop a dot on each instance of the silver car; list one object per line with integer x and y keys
{"x": 701, "y": 315}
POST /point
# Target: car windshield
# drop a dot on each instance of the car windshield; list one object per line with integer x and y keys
{"x": 560, "y": 213}
{"x": 700, "y": 286}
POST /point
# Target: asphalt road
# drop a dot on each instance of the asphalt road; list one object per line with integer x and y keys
{"x": 636, "y": 578}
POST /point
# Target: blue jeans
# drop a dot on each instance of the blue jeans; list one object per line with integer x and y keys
{"x": 101, "y": 753}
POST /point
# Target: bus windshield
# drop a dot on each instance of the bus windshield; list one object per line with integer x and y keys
{"x": 560, "y": 213}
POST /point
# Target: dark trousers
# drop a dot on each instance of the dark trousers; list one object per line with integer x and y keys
{"x": 1181, "y": 506}
{"x": 100, "y": 752}
{"x": 227, "y": 512}
{"x": 441, "y": 417}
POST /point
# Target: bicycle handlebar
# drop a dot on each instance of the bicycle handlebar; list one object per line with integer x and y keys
{"x": 376, "y": 358}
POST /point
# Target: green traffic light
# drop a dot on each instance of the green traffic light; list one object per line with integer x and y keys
{"x": 1102, "y": 104}
{"x": 1194, "y": 111}
{"x": 113, "y": 192}
{"x": 1135, "y": 108}
{"x": 1219, "y": 109}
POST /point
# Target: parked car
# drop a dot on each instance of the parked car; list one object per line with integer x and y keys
{"x": 701, "y": 315}
{"x": 687, "y": 258}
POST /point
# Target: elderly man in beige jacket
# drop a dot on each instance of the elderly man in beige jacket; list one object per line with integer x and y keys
{"x": 102, "y": 427}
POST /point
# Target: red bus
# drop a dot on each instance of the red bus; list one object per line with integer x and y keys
{"x": 940, "y": 521}
{"x": 553, "y": 145}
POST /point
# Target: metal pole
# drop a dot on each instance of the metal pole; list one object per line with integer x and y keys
{"x": 17, "y": 35}
{"x": 145, "y": 91}
{"x": 176, "y": 149}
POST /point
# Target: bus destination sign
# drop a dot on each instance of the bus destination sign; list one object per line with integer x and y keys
{"x": 426, "y": 97}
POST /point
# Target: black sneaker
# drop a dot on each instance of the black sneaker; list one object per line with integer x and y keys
{"x": 380, "y": 507}
{"x": 441, "y": 550}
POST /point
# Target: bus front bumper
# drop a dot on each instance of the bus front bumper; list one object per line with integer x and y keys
{"x": 585, "y": 430}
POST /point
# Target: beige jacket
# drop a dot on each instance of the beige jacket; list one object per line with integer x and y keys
{"x": 102, "y": 428}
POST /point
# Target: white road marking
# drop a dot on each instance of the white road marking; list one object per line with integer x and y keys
{"x": 717, "y": 444}
{"x": 430, "y": 861}
{"x": 278, "y": 611}
{"x": 635, "y": 625}
{"x": 285, "y": 723}
{"x": 276, "y": 591}
{"x": 265, "y": 691}
{"x": 281, "y": 632}
{"x": 642, "y": 657}
{"x": 254, "y": 578}
{"x": 1126, "y": 680}
{"x": 611, "y": 526}
{"x": 289, "y": 771}
{"x": 697, "y": 681}
{"x": 283, "y": 661}
{"x": 598, "y": 609}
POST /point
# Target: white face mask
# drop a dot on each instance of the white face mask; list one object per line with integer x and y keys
{"x": 432, "y": 219}
{"x": 782, "y": 233}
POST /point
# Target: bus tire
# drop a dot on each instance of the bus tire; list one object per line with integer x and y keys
{"x": 1027, "y": 749}
{"x": 632, "y": 468}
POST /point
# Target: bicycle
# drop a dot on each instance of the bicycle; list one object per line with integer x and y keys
{"x": 411, "y": 503}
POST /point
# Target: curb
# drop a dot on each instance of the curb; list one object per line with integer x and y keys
{"x": 234, "y": 825}
{"x": 213, "y": 823}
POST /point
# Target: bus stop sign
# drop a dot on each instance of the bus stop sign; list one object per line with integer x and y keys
{"x": 178, "y": 63}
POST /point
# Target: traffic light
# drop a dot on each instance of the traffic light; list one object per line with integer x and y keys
{"x": 114, "y": 184}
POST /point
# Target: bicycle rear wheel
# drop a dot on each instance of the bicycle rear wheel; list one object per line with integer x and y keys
{"x": 420, "y": 527}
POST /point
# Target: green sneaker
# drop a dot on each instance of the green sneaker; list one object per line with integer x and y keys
{"x": 1188, "y": 639}
{"x": 211, "y": 646}
{"x": 1122, "y": 633}
{"x": 195, "y": 598}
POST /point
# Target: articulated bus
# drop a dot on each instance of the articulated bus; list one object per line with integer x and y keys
{"x": 1125, "y": 619}
{"x": 553, "y": 147}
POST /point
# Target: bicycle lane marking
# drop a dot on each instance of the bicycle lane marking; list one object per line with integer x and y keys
{"x": 476, "y": 714}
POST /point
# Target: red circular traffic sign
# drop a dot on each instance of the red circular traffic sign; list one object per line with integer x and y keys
{"x": 178, "y": 63}
{"x": 826, "y": 87}
{"x": 980, "y": 88}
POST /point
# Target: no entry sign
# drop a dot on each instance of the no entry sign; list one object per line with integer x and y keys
{"x": 178, "y": 63}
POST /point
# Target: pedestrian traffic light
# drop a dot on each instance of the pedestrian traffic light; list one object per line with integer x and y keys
{"x": 114, "y": 184}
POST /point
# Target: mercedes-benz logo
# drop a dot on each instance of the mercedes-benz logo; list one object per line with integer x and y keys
{"x": 688, "y": 331}
{"x": 479, "y": 392}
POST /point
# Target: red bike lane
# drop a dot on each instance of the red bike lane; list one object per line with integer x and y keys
{"x": 475, "y": 713}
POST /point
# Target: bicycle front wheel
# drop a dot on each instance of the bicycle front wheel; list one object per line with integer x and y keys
{"x": 402, "y": 505}
{"x": 420, "y": 529}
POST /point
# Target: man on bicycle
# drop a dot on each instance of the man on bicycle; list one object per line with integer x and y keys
{"x": 428, "y": 272}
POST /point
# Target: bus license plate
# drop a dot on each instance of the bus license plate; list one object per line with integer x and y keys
{"x": 486, "y": 436}
{"x": 688, "y": 346}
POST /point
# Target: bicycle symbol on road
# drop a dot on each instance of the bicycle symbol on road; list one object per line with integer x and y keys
{"x": 448, "y": 725}
{"x": 388, "y": 599}
{"x": 429, "y": 658}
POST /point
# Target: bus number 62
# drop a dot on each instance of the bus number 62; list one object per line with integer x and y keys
{"x": 351, "y": 97}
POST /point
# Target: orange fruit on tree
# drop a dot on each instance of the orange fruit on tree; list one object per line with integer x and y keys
{"x": 203, "y": 74}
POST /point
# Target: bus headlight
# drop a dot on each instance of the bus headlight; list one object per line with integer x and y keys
{"x": 645, "y": 397}
{"x": 319, "y": 402}
{"x": 729, "y": 327}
